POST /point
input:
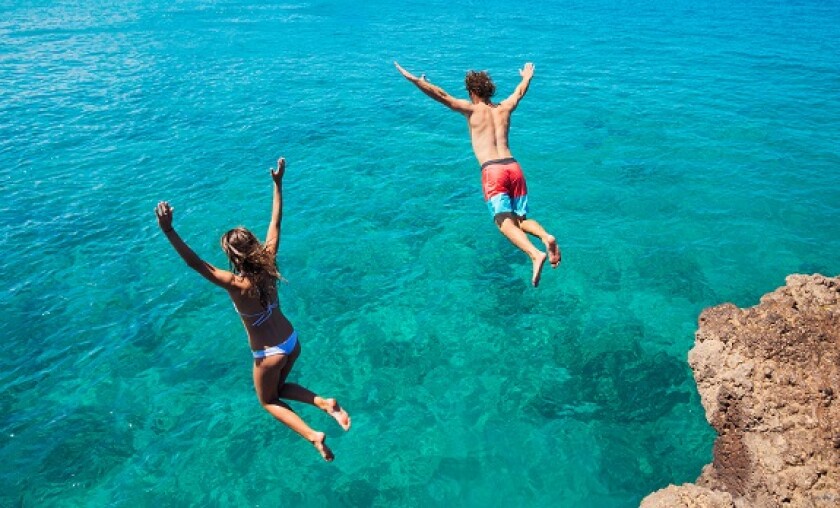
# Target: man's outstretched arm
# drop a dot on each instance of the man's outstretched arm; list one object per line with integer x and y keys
{"x": 435, "y": 92}
{"x": 527, "y": 72}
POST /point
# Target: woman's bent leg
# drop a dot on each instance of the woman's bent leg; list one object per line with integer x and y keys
{"x": 287, "y": 366}
{"x": 266, "y": 376}
{"x": 293, "y": 391}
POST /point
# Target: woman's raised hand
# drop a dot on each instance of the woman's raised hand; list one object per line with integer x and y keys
{"x": 163, "y": 211}
{"x": 277, "y": 175}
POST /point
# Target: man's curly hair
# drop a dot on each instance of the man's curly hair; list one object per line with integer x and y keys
{"x": 479, "y": 83}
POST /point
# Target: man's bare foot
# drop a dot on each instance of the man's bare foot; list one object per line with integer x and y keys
{"x": 538, "y": 261}
{"x": 320, "y": 442}
{"x": 553, "y": 251}
{"x": 336, "y": 411}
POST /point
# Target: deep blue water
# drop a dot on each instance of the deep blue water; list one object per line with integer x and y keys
{"x": 684, "y": 153}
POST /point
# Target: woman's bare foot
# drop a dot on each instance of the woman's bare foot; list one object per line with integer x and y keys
{"x": 319, "y": 440}
{"x": 538, "y": 261}
{"x": 553, "y": 250}
{"x": 332, "y": 408}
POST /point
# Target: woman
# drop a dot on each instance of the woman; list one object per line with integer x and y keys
{"x": 253, "y": 288}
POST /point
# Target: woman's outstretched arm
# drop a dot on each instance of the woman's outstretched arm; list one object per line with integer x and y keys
{"x": 272, "y": 237}
{"x": 222, "y": 278}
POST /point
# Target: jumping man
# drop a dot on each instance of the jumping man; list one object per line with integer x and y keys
{"x": 501, "y": 177}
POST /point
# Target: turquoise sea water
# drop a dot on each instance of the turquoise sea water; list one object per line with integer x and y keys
{"x": 684, "y": 153}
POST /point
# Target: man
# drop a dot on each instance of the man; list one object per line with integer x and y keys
{"x": 501, "y": 177}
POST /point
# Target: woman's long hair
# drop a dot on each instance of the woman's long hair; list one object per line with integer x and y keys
{"x": 250, "y": 259}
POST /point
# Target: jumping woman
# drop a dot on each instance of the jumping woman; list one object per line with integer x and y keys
{"x": 252, "y": 285}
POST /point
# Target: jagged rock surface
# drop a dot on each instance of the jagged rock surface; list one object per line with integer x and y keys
{"x": 689, "y": 496}
{"x": 769, "y": 380}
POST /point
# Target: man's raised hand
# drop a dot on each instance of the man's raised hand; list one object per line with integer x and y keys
{"x": 407, "y": 75}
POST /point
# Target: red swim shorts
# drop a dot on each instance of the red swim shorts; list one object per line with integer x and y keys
{"x": 504, "y": 187}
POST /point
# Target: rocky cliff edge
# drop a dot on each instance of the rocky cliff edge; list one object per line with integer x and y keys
{"x": 769, "y": 380}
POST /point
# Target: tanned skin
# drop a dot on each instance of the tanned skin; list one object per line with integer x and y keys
{"x": 269, "y": 373}
{"x": 489, "y": 126}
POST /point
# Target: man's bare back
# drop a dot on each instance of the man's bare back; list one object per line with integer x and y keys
{"x": 489, "y": 127}
{"x": 502, "y": 179}
{"x": 489, "y": 123}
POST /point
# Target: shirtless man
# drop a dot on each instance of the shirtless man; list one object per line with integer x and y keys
{"x": 501, "y": 177}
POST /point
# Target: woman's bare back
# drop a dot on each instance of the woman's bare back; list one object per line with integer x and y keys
{"x": 266, "y": 327}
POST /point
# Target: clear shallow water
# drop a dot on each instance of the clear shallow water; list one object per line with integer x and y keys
{"x": 684, "y": 155}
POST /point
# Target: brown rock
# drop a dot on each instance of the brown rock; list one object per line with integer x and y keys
{"x": 688, "y": 495}
{"x": 768, "y": 378}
